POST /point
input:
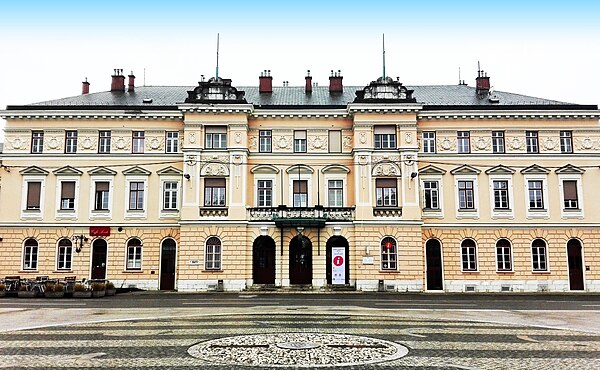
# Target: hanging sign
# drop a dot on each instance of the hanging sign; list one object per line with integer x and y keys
{"x": 338, "y": 265}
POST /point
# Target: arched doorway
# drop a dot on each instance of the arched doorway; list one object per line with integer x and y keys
{"x": 263, "y": 260}
{"x": 99, "y": 249}
{"x": 168, "y": 256}
{"x": 575, "y": 264}
{"x": 300, "y": 260}
{"x": 435, "y": 276}
{"x": 336, "y": 247}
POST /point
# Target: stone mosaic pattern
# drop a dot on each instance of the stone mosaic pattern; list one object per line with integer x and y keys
{"x": 164, "y": 343}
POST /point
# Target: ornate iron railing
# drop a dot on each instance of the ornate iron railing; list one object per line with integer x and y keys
{"x": 301, "y": 213}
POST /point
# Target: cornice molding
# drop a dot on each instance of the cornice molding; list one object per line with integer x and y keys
{"x": 503, "y": 114}
{"x": 217, "y": 108}
{"x": 91, "y": 115}
{"x": 384, "y": 108}
{"x": 300, "y": 113}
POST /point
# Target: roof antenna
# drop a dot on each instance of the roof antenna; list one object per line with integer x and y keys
{"x": 144, "y": 76}
{"x": 217, "y": 70}
{"x": 459, "y": 80}
{"x": 383, "y": 57}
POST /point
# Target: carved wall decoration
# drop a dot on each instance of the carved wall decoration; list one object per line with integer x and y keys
{"x": 191, "y": 160}
{"x": 192, "y": 137}
{"x": 253, "y": 142}
{"x": 386, "y": 169}
{"x": 447, "y": 143}
{"x": 516, "y": 143}
{"x": 317, "y": 143}
{"x": 386, "y": 158}
{"x": 54, "y": 143}
{"x": 408, "y": 137}
{"x": 284, "y": 142}
{"x": 419, "y": 144}
{"x": 215, "y": 169}
{"x": 122, "y": 143}
{"x": 550, "y": 143}
{"x": 89, "y": 143}
{"x": 363, "y": 137}
{"x": 587, "y": 144}
{"x": 482, "y": 143}
{"x": 17, "y": 143}
{"x": 154, "y": 143}
{"x": 218, "y": 158}
{"x": 238, "y": 137}
{"x": 348, "y": 142}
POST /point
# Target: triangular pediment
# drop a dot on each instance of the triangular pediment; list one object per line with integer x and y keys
{"x": 335, "y": 168}
{"x": 265, "y": 168}
{"x": 570, "y": 169}
{"x": 102, "y": 171}
{"x": 137, "y": 170}
{"x": 465, "y": 169}
{"x": 170, "y": 171}
{"x": 34, "y": 170}
{"x": 536, "y": 169}
{"x": 299, "y": 168}
{"x": 68, "y": 171}
{"x": 431, "y": 170}
{"x": 500, "y": 170}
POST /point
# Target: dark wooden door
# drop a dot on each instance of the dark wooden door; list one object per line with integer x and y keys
{"x": 168, "y": 256}
{"x": 433, "y": 251}
{"x": 300, "y": 260}
{"x": 99, "y": 259}
{"x": 575, "y": 265}
{"x": 263, "y": 260}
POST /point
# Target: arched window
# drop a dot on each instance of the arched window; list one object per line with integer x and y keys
{"x": 389, "y": 254}
{"x": 539, "y": 255}
{"x": 134, "y": 254}
{"x": 64, "y": 255}
{"x": 468, "y": 251}
{"x": 503, "y": 255}
{"x": 30, "y": 254}
{"x": 212, "y": 255}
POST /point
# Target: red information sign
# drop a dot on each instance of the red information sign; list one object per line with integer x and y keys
{"x": 99, "y": 231}
{"x": 338, "y": 260}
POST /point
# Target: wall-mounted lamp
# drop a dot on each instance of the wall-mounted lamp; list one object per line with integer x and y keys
{"x": 79, "y": 241}
{"x": 119, "y": 229}
{"x": 187, "y": 176}
{"x": 413, "y": 175}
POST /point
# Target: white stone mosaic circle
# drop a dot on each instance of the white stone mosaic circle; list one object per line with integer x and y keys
{"x": 298, "y": 350}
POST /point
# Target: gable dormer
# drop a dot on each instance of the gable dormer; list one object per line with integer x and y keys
{"x": 385, "y": 90}
{"x": 215, "y": 90}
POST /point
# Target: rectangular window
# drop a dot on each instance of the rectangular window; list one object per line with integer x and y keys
{"x": 136, "y": 195}
{"x": 531, "y": 142}
{"x": 214, "y": 192}
{"x": 503, "y": 256}
{"x": 34, "y": 190}
{"x": 385, "y": 192}
{"x": 67, "y": 195}
{"x": 172, "y": 142}
{"x": 101, "y": 196}
{"x": 498, "y": 142}
{"x": 570, "y": 194}
{"x": 216, "y": 137}
{"x": 466, "y": 198}
{"x": 30, "y": 257}
{"x": 37, "y": 142}
{"x": 335, "y": 141}
{"x": 428, "y": 142}
{"x": 501, "y": 194}
{"x": 104, "y": 142}
{"x": 300, "y": 193}
{"x": 299, "y": 141}
{"x": 431, "y": 189}
{"x": 137, "y": 145}
{"x": 65, "y": 254}
{"x": 463, "y": 141}
{"x": 213, "y": 256}
{"x": 566, "y": 142}
{"x": 335, "y": 193}
{"x": 385, "y": 137}
{"x": 264, "y": 141}
{"x": 71, "y": 142}
{"x": 536, "y": 194}
{"x": 265, "y": 193}
{"x": 170, "y": 195}
{"x": 134, "y": 257}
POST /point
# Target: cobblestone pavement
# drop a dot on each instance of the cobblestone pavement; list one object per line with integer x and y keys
{"x": 169, "y": 343}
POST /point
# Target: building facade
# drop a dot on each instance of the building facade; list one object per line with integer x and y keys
{"x": 378, "y": 187}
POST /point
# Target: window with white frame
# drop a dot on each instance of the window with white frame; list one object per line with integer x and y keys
{"x": 71, "y": 142}
{"x": 531, "y": 142}
{"x": 37, "y": 142}
{"x": 171, "y": 141}
{"x": 389, "y": 254}
{"x": 299, "y": 141}
{"x": 431, "y": 191}
{"x": 64, "y": 255}
{"x": 468, "y": 251}
{"x": 498, "y": 146}
{"x": 265, "y": 141}
{"x": 212, "y": 255}
{"x": 137, "y": 145}
{"x": 335, "y": 193}
{"x": 104, "y": 138}
{"x": 386, "y": 192}
{"x": 566, "y": 142}
{"x": 501, "y": 194}
{"x": 215, "y": 137}
{"x": 335, "y": 141}
{"x": 170, "y": 195}
{"x": 539, "y": 255}
{"x": 570, "y": 199}
{"x": 265, "y": 193}
{"x": 214, "y": 192}
{"x": 136, "y": 195}
{"x": 428, "y": 141}
{"x": 101, "y": 195}
{"x": 134, "y": 254}
{"x": 300, "y": 193}
{"x": 503, "y": 255}
{"x": 466, "y": 196}
{"x": 463, "y": 141}
{"x": 30, "y": 254}
{"x": 535, "y": 190}
{"x": 385, "y": 137}
{"x": 67, "y": 195}
{"x": 34, "y": 193}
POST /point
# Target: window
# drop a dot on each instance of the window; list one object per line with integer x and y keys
{"x": 34, "y": 189}
{"x": 265, "y": 193}
{"x": 134, "y": 254}
{"x": 170, "y": 195}
{"x": 468, "y": 251}
{"x": 389, "y": 254}
{"x": 531, "y": 142}
{"x": 498, "y": 142}
{"x": 385, "y": 192}
{"x": 37, "y": 142}
{"x": 65, "y": 254}
{"x": 136, "y": 195}
{"x": 300, "y": 192}
{"x": 67, "y": 195}
{"x": 539, "y": 255}
{"x": 466, "y": 198}
{"x": 104, "y": 142}
{"x": 463, "y": 141}
{"x": 212, "y": 257}
{"x": 536, "y": 194}
{"x": 216, "y": 137}
{"x": 299, "y": 141}
{"x": 264, "y": 141}
{"x": 172, "y": 142}
{"x": 71, "y": 142}
{"x": 101, "y": 196}
{"x": 30, "y": 254}
{"x": 335, "y": 193}
{"x": 429, "y": 142}
{"x": 566, "y": 142}
{"x": 214, "y": 192}
{"x": 570, "y": 194}
{"x": 503, "y": 255}
{"x": 385, "y": 137}
{"x": 501, "y": 194}
{"x": 335, "y": 141}
{"x": 431, "y": 189}
{"x": 138, "y": 142}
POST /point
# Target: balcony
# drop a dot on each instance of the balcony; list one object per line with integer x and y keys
{"x": 301, "y": 216}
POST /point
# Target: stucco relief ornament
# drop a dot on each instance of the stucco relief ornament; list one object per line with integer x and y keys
{"x": 53, "y": 143}
{"x": 408, "y": 138}
{"x": 17, "y": 143}
{"x": 586, "y": 143}
{"x": 215, "y": 170}
{"x": 253, "y": 142}
{"x": 363, "y": 138}
{"x": 385, "y": 169}
{"x": 516, "y": 143}
{"x": 482, "y": 143}
{"x": 154, "y": 144}
{"x": 121, "y": 143}
{"x": 238, "y": 137}
{"x": 347, "y": 142}
{"x": 192, "y": 137}
{"x": 549, "y": 143}
{"x": 284, "y": 142}
{"x": 447, "y": 144}
{"x": 87, "y": 143}
{"x": 317, "y": 143}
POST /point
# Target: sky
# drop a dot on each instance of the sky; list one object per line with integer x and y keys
{"x": 548, "y": 49}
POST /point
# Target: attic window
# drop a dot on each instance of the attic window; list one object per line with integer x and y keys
{"x": 494, "y": 99}
{"x": 147, "y": 100}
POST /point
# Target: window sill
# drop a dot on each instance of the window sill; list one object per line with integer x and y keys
{"x": 62, "y": 271}
{"x": 470, "y": 271}
{"x": 212, "y": 271}
{"x": 507, "y": 272}
{"x": 133, "y": 271}
{"x": 29, "y": 271}
{"x": 540, "y": 272}
{"x": 388, "y": 271}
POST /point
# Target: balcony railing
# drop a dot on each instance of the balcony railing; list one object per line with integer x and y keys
{"x": 301, "y": 216}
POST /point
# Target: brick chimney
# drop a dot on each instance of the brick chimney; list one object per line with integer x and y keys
{"x": 335, "y": 82}
{"x": 85, "y": 87}
{"x": 308, "y": 79}
{"x": 482, "y": 84}
{"x": 118, "y": 81}
{"x": 131, "y": 86}
{"x": 265, "y": 80}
